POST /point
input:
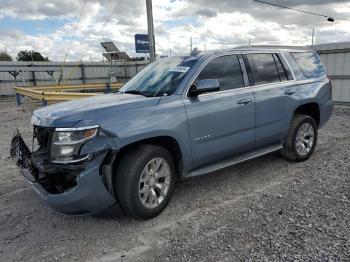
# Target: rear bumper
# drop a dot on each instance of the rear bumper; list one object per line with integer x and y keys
{"x": 89, "y": 196}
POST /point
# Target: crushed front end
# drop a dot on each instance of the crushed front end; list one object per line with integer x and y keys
{"x": 64, "y": 177}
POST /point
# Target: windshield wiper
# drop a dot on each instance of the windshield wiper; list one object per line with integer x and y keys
{"x": 137, "y": 92}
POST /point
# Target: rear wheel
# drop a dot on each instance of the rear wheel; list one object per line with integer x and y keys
{"x": 301, "y": 139}
{"x": 145, "y": 181}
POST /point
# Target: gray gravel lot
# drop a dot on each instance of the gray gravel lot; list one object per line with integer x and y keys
{"x": 267, "y": 209}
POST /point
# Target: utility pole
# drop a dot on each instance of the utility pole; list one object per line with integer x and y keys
{"x": 152, "y": 50}
{"x": 191, "y": 46}
{"x": 313, "y": 35}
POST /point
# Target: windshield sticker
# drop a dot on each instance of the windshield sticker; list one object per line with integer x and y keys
{"x": 180, "y": 69}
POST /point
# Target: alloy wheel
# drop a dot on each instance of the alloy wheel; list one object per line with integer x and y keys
{"x": 305, "y": 139}
{"x": 154, "y": 183}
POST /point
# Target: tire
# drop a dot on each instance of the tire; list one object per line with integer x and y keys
{"x": 294, "y": 147}
{"x": 135, "y": 197}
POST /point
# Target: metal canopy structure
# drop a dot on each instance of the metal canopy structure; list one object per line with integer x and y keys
{"x": 112, "y": 52}
{"x": 111, "y": 56}
{"x": 109, "y": 47}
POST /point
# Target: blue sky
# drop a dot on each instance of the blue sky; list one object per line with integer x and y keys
{"x": 33, "y": 27}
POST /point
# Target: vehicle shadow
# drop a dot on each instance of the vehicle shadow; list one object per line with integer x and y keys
{"x": 235, "y": 175}
{"x": 112, "y": 213}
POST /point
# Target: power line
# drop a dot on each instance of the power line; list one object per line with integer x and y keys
{"x": 290, "y": 8}
{"x": 75, "y": 29}
{"x": 97, "y": 36}
{"x": 329, "y": 18}
{"x": 309, "y": 22}
{"x": 101, "y": 29}
{"x": 71, "y": 40}
{"x": 109, "y": 18}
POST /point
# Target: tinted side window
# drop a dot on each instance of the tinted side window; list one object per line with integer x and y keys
{"x": 263, "y": 69}
{"x": 310, "y": 64}
{"x": 226, "y": 69}
{"x": 286, "y": 67}
{"x": 281, "y": 71}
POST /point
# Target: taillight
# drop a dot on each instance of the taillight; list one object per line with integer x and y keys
{"x": 330, "y": 87}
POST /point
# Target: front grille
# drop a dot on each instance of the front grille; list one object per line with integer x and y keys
{"x": 54, "y": 178}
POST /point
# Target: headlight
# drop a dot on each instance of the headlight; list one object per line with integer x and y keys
{"x": 66, "y": 143}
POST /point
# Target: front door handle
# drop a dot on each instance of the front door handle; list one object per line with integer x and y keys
{"x": 289, "y": 92}
{"x": 244, "y": 101}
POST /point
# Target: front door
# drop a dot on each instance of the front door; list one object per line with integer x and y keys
{"x": 221, "y": 123}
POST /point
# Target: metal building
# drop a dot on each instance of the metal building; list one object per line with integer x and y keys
{"x": 336, "y": 57}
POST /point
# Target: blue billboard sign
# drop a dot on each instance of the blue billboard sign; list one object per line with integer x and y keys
{"x": 141, "y": 43}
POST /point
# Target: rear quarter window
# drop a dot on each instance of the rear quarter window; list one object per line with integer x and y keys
{"x": 263, "y": 69}
{"x": 310, "y": 64}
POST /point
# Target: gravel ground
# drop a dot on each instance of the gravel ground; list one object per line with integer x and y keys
{"x": 266, "y": 209}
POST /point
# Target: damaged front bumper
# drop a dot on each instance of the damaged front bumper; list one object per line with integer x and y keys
{"x": 84, "y": 190}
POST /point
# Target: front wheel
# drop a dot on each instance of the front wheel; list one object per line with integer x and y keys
{"x": 301, "y": 139}
{"x": 145, "y": 181}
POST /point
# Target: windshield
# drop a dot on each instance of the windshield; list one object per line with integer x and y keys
{"x": 160, "y": 78}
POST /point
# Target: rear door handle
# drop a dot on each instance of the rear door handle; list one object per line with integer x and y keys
{"x": 289, "y": 92}
{"x": 244, "y": 101}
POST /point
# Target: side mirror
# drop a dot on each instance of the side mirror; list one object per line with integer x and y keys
{"x": 204, "y": 86}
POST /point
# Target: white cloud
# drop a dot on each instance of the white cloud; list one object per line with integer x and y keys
{"x": 215, "y": 24}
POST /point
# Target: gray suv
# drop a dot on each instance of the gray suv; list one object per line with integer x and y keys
{"x": 179, "y": 117}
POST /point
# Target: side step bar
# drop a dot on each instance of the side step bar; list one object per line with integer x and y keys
{"x": 233, "y": 160}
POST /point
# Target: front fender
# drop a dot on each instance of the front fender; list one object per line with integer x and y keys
{"x": 102, "y": 142}
{"x": 166, "y": 119}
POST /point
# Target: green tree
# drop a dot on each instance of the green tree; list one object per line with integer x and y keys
{"x": 4, "y": 56}
{"x": 30, "y": 56}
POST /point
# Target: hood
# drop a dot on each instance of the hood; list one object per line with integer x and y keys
{"x": 89, "y": 111}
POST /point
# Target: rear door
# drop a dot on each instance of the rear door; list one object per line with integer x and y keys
{"x": 275, "y": 96}
{"x": 221, "y": 123}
